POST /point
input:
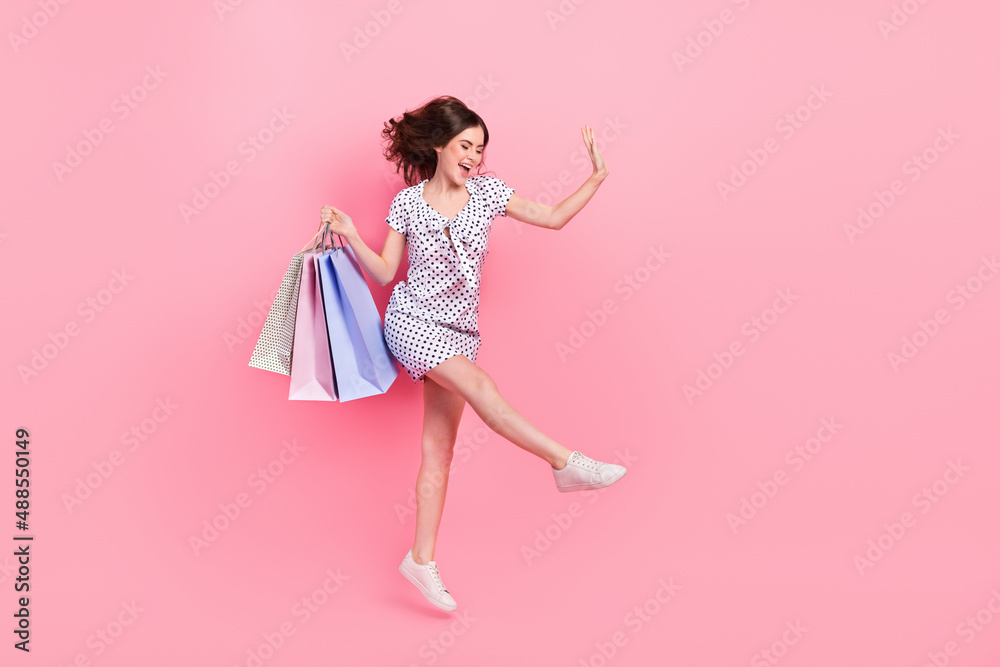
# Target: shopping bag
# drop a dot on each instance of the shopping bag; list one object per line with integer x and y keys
{"x": 273, "y": 351}
{"x": 364, "y": 320}
{"x": 312, "y": 371}
{"x": 354, "y": 369}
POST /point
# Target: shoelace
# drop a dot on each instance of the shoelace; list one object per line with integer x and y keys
{"x": 436, "y": 576}
{"x": 586, "y": 462}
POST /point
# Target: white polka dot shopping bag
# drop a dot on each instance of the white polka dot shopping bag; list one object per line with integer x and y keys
{"x": 273, "y": 351}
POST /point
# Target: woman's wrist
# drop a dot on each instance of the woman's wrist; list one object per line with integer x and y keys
{"x": 352, "y": 237}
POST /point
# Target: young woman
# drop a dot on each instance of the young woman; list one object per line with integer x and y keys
{"x": 431, "y": 321}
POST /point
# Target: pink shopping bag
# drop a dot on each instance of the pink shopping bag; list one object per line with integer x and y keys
{"x": 312, "y": 366}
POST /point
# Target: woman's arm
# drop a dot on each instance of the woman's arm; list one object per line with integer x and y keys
{"x": 381, "y": 267}
{"x": 556, "y": 217}
{"x": 552, "y": 217}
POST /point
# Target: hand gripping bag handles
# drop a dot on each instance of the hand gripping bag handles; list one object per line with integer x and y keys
{"x": 362, "y": 363}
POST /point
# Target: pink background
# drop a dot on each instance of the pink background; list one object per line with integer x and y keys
{"x": 840, "y": 559}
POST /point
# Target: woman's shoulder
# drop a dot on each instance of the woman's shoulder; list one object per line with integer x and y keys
{"x": 485, "y": 182}
{"x": 407, "y": 196}
{"x": 409, "y": 191}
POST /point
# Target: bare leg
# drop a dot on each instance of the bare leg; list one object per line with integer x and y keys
{"x": 442, "y": 414}
{"x": 459, "y": 375}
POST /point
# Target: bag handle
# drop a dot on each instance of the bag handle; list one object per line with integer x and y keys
{"x": 321, "y": 243}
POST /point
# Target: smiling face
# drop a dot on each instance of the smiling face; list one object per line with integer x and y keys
{"x": 464, "y": 149}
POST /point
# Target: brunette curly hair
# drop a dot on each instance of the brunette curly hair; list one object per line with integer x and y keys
{"x": 413, "y": 137}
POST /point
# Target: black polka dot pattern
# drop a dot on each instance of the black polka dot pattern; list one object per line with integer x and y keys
{"x": 434, "y": 313}
{"x": 273, "y": 351}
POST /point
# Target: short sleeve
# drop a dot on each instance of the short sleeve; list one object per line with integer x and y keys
{"x": 398, "y": 213}
{"x": 498, "y": 194}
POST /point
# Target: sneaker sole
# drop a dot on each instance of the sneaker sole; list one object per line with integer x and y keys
{"x": 588, "y": 487}
{"x": 420, "y": 588}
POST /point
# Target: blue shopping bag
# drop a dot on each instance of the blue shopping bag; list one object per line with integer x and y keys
{"x": 361, "y": 310}
{"x": 362, "y": 364}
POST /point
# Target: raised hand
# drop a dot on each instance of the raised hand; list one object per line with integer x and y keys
{"x": 600, "y": 167}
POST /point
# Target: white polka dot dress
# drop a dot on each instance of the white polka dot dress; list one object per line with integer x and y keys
{"x": 434, "y": 313}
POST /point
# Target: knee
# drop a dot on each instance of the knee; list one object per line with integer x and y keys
{"x": 438, "y": 451}
{"x": 482, "y": 386}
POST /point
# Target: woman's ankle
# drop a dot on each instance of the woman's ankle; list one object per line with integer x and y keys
{"x": 560, "y": 461}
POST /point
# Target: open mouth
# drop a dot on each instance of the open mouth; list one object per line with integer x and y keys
{"x": 464, "y": 168}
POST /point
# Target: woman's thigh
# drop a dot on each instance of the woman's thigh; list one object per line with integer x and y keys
{"x": 442, "y": 414}
{"x": 460, "y": 376}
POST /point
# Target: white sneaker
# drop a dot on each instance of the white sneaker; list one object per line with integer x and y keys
{"x": 427, "y": 579}
{"x": 583, "y": 473}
